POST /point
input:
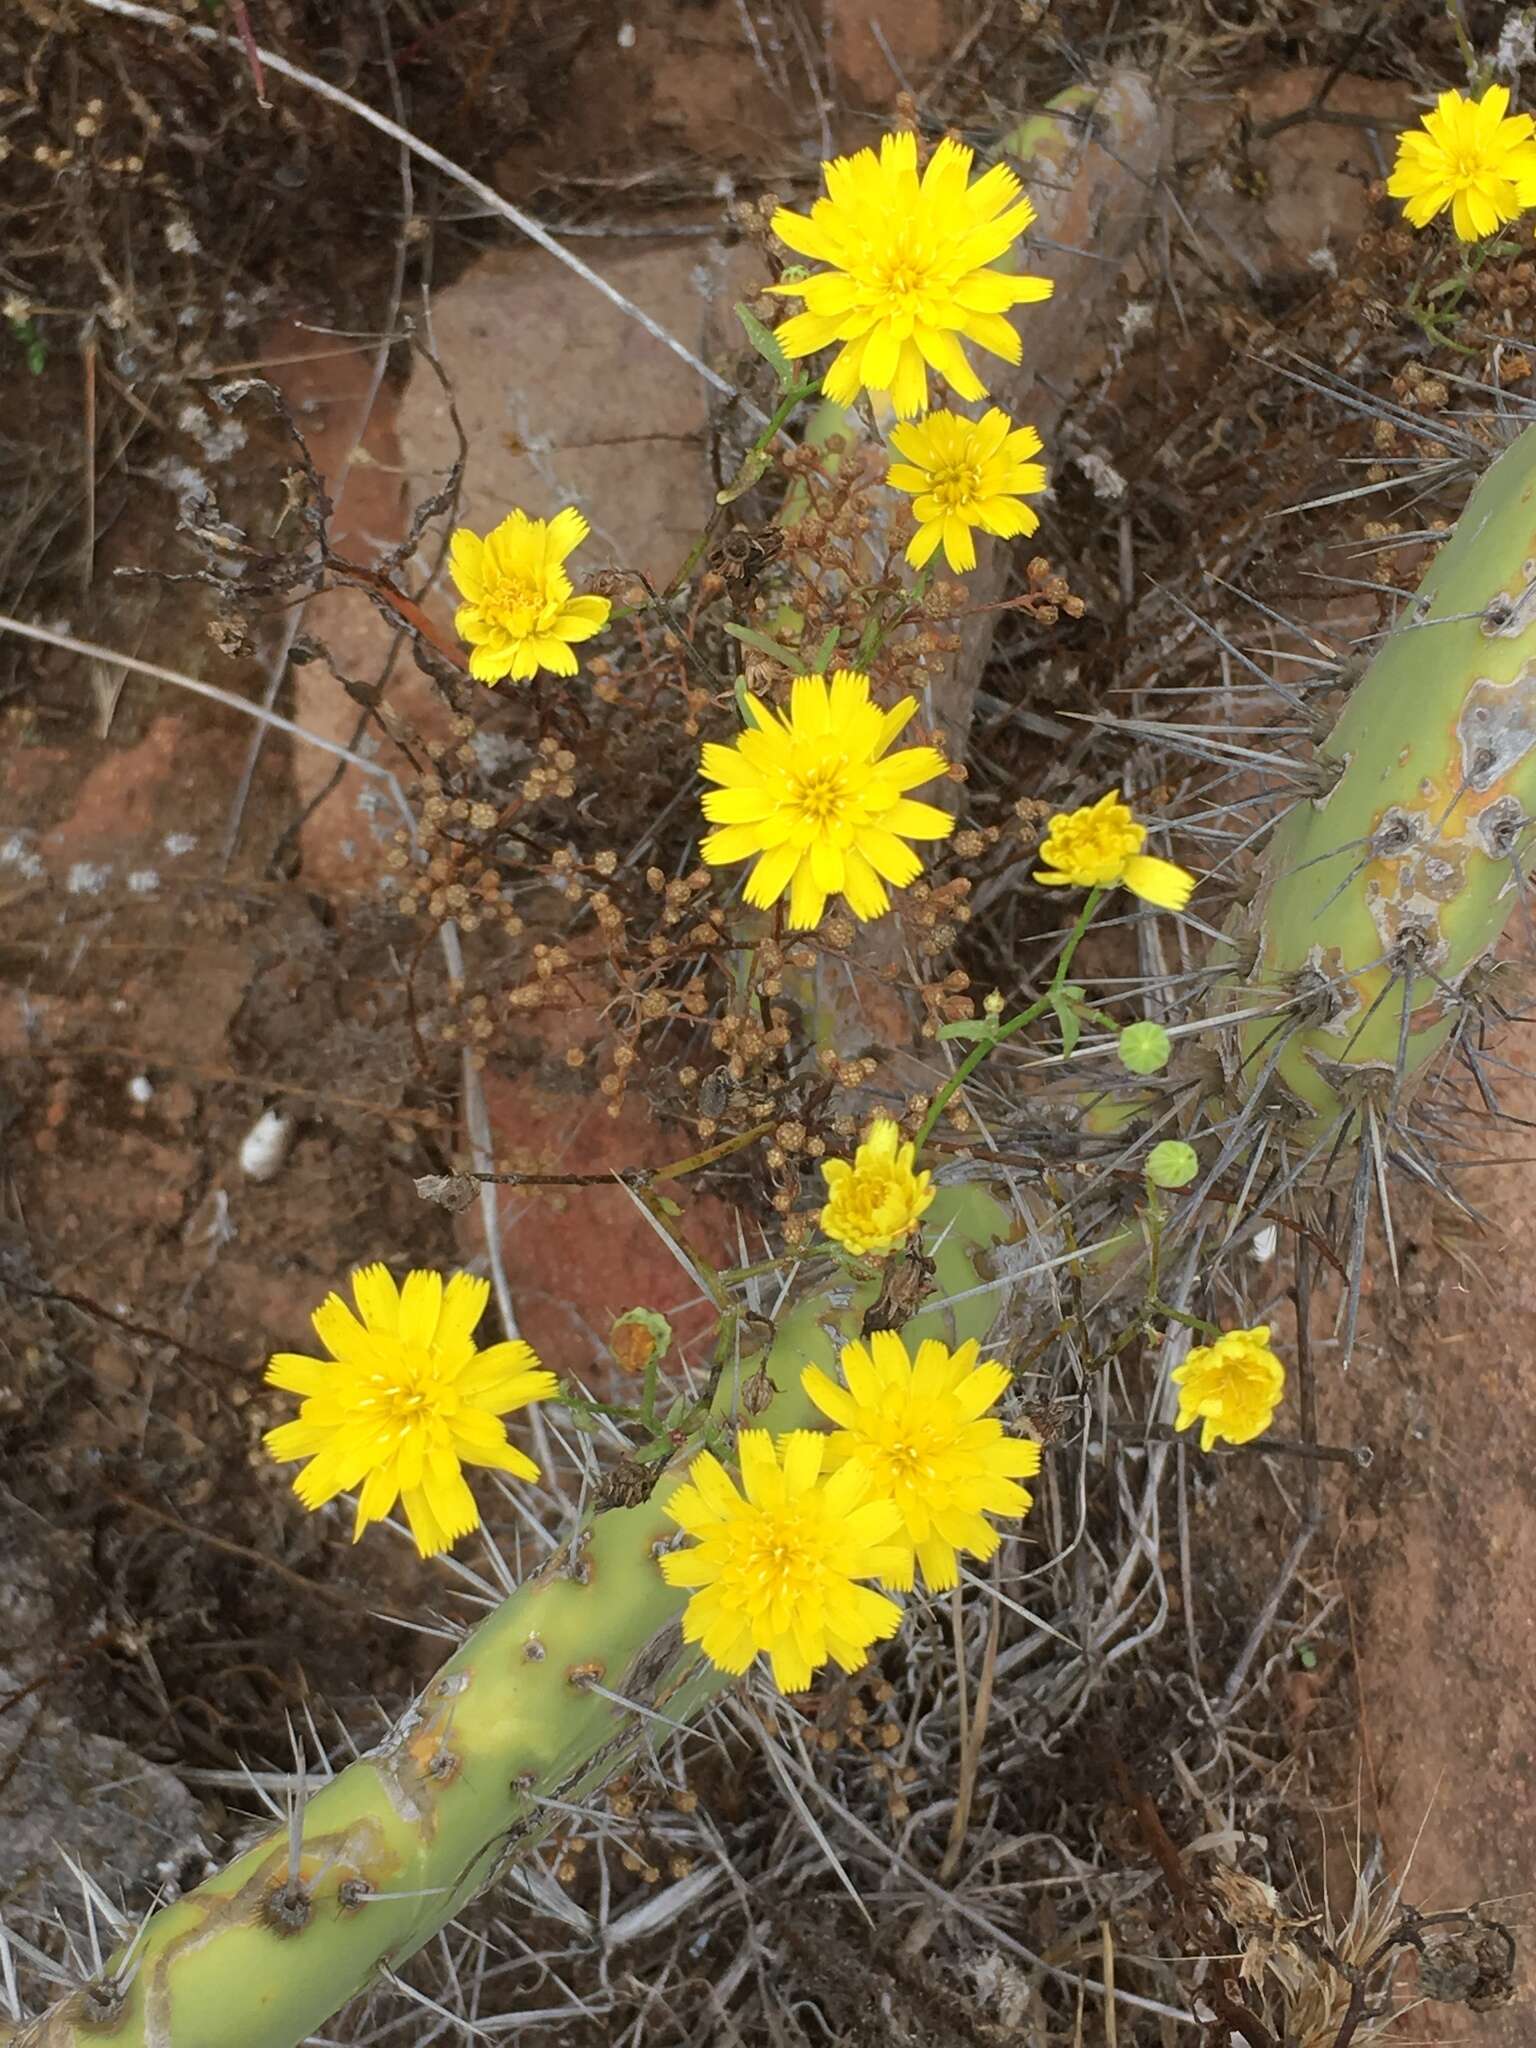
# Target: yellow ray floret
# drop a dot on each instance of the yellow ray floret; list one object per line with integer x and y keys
{"x": 920, "y": 1432}
{"x": 1099, "y": 847}
{"x": 519, "y": 614}
{"x": 874, "y": 1203}
{"x": 966, "y": 473}
{"x": 404, "y": 1401}
{"x": 909, "y": 277}
{"x": 774, "y": 1567}
{"x": 1472, "y": 156}
{"x": 816, "y": 801}
{"x": 1231, "y": 1388}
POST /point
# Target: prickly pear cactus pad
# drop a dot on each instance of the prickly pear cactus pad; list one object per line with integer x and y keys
{"x": 1385, "y": 893}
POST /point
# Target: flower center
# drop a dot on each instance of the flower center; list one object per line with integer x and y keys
{"x": 872, "y": 1195}
{"x": 903, "y": 277}
{"x": 957, "y": 485}
{"x": 912, "y": 1443}
{"x": 820, "y": 793}
{"x": 1101, "y": 841}
{"x": 518, "y": 606}
{"x": 781, "y": 1560}
{"x": 414, "y": 1393}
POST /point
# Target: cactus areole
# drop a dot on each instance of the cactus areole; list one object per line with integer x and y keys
{"x": 530, "y": 1710}
{"x": 1383, "y": 896}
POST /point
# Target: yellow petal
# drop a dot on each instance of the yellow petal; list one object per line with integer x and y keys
{"x": 421, "y": 1302}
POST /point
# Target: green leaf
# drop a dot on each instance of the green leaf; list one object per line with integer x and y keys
{"x": 979, "y": 1028}
{"x": 767, "y": 344}
{"x": 825, "y": 652}
{"x": 1067, "y": 1017}
{"x": 750, "y": 472}
{"x": 763, "y": 645}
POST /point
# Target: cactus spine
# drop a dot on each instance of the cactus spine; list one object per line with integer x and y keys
{"x": 1383, "y": 894}
{"x": 389, "y": 1851}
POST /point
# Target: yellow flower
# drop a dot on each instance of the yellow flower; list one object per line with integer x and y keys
{"x": 519, "y": 615}
{"x": 921, "y": 1434}
{"x": 965, "y": 473}
{"x": 1100, "y": 845}
{"x": 403, "y": 1401}
{"x": 1231, "y": 1388}
{"x": 873, "y": 1204}
{"x": 908, "y": 275}
{"x": 816, "y": 798}
{"x": 1470, "y": 156}
{"x": 774, "y": 1566}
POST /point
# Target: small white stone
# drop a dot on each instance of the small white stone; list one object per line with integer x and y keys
{"x": 1106, "y": 480}
{"x": 1265, "y": 1240}
{"x": 15, "y": 853}
{"x": 626, "y": 35}
{"x": 144, "y": 881}
{"x": 87, "y": 878}
{"x": 265, "y": 1145}
{"x": 141, "y": 1089}
{"x": 179, "y": 843}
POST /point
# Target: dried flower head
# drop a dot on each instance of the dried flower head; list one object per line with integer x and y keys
{"x": 814, "y": 798}
{"x": 1099, "y": 845}
{"x": 404, "y": 1401}
{"x": 874, "y": 1203}
{"x": 921, "y": 1432}
{"x": 1231, "y": 1388}
{"x": 775, "y": 1566}
{"x": 965, "y": 473}
{"x": 908, "y": 273}
{"x": 519, "y": 614}
{"x": 1472, "y": 156}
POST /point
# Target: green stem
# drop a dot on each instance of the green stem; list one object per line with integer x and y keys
{"x": 1177, "y": 1315}
{"x": 874, "y": 635}
{"x": 786, "y": 405}
{"x": 1463, "y": 43}
{"x": 979, "y": 1051}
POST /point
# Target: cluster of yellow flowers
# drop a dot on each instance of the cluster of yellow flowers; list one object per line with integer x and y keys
{"x": 1472, "y": 156}
{"x": 813, "y": 797}
{"x": 912, "y": 1471}
{"x": 818, "y": 798}
{"x": 903, "y": 1484}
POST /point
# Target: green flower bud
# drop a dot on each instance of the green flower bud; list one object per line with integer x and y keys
{"x": 1172, "y": 1164}
{"x": 1144, "y": 1047}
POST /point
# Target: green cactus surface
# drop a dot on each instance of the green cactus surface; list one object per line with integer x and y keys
{"x": 390, "y": 1850}
{"x": 1385, "y": 892}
